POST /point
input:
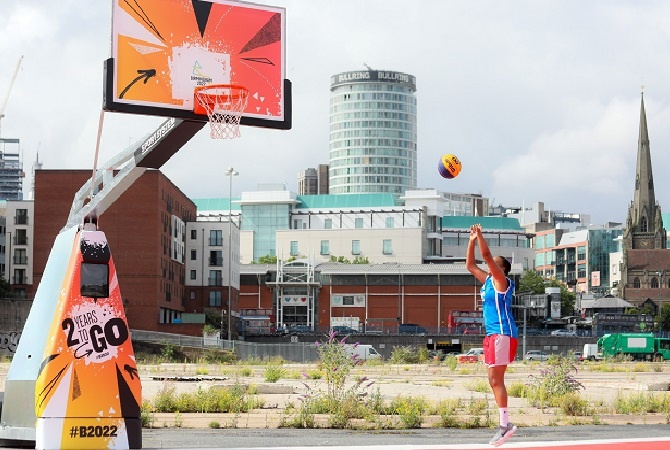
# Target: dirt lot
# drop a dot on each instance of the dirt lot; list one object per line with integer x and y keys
{"x": 603, "y": 383}
{"x": 432, "y": 381}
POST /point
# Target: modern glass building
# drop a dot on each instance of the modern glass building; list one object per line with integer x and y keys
{"x": 373, "y": 132}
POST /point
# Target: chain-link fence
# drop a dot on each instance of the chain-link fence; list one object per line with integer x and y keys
{"x": 289, "y": 351}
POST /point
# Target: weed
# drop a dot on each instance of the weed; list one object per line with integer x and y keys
{"x": 553, "y": 383}
{"x": 410, "y": 409}
{"x": 273, "y": 372}
{"x": 478, "y": 385}
{"x": 146, "y": 415}
{"x": 451, "y": 362}
{"x": 214, "y": 425}
{"x": 178, "y": 420}
{"x": 404, "y": 355}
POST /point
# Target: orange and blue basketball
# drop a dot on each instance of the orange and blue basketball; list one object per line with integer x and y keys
{"x": 450, "y": 166}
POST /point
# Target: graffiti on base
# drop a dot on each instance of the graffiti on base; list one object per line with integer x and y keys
{"x": 9, "y": 341}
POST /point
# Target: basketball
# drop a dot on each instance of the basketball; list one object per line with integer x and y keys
{"x": 449, "y": 166}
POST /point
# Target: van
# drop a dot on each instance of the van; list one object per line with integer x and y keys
{"x": 411, "y": 328}
{"x": 590, "y": 353}
{"x": 362, "y": 351}
{"x": 475, "y": 351}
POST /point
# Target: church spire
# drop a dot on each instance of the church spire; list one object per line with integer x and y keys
{"x": 644, "y": 202}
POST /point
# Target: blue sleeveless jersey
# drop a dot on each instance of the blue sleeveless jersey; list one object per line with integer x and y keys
{"x": 497, "y": 308}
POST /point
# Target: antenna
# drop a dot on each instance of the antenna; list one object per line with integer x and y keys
{"x": 367, "y": 67}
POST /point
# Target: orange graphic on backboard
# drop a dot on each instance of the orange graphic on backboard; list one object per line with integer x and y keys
{"x": 163, "y": 49}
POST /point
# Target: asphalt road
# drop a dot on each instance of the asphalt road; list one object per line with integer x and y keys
{"x": 283, "y": 438}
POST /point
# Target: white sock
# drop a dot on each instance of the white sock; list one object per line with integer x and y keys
{"x": 504, "y": 418}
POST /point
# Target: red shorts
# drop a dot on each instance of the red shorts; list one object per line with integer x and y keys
{"x": 499, "y": 350}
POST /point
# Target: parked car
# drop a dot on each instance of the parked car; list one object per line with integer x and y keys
{"x": 536, "y": 355}
{"x": 411, "y": 328}
{"x": 300, "y": 329}
{"x": 566, "y": 333}
{"x": 342, "y": 329}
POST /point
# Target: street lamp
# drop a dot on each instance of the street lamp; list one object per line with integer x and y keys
{"x": 230, "y": 173}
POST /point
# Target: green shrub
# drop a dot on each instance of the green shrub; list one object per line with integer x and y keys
{"x": 451, "y": 361}
{"x": 146, "y": 414}
{"x": 232, "y": 399}
{"x": 573, "y": 405}
{"x": 274, "y": 372}
{"x": 448, "y": 412}
{"x": 553, "y": 383}
{"x": 410, "y": 409}
{"x": 404, "y": 355}
{"x": 478, "y": 385}
{"x": 518, "y": 390}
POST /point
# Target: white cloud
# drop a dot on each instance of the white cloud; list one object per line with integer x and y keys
{"x": 539, "y": 99}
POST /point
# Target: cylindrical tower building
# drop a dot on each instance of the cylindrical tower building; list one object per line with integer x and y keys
{"x": 373, "y": 132}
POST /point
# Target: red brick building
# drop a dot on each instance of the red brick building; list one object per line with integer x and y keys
{"x": 375, "y": 297}
{"x": 140, "y": 228}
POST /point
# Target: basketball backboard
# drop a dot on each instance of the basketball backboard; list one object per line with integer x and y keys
{"x": 163, "y": 49}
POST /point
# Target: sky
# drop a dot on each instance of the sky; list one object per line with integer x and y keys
{"x": 539, "y": 99}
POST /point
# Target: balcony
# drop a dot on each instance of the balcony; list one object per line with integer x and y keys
{"x": 20, "y": 240}
{"x": 215, "y": 262}
{"x": 21, "y": 220}
{"x": 215, "y": 281}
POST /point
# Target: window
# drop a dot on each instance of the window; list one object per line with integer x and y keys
{"x": 355, "y": 247}
{"x": 654, "y": 282}
{"x": 193, "y": 274}
{"x": 390, "y": 223}
{"x": 581, "y": 253}
{"x": 294, "y": 248}
{"x": 21, "y": 217}
{"x": 581, "y": 270}
{"x": 636, "y": 283}
{"x": 387, "y": 247}
{"x": 194, "y": 234}
{"x": 215, "y": 258}
{"x": 215, "y": 237}
{"x": 21, "y": 238}
{"x": 215, "y": 278}
{"x": 215, "y": 298}
{"x": 193, "y": 255}
{"x": 325, "y": 247}
{"x": 20, "y": 256}
{"x": 328, "y": 224}
{"x": 359, "y": 222}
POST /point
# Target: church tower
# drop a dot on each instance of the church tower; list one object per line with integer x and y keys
{"x": 644, "y": 237}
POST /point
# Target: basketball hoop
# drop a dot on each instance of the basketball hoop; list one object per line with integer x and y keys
{"x": 223, "y": 104}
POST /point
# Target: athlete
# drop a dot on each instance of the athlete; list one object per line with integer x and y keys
{"x": 500, "y": 343}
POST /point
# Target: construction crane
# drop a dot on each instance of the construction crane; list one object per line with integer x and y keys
{"x": 11, "y": 83}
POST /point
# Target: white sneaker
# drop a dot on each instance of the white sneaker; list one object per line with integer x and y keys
{"x": 502, "y": 434}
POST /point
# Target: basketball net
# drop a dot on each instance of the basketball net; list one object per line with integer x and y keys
{"x": 223, "y": 104}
